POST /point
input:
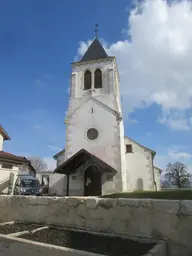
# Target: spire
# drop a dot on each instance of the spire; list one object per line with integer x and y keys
{"x": 94, "y": 52}
{"x": 96, "y": 30}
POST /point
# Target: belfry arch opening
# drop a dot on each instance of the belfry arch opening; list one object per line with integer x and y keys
{"x": 87, "y": 80}
{"x": 98, "y": 78}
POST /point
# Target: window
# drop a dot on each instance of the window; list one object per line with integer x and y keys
{"x": 87, "y": 80}
{"x": 29, "y": 183}
{"x": 74, "y": 177}
{"x": 98, "y": 78}
{"x": 45, "y": 180}
{"x": 92, "y": 134}
{"x": 7, "y": 166}
{"x": 129, "y": 148}
{"x": 109, "y": 178}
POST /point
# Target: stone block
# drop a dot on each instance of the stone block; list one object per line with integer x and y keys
{"x": 136, "y": 203}
{"x": 177, "y": 249}
{"x": 91, "y": 203}
{"x": 13, "y": 246}
{"x": 186, "y": 207}
{"x": 159, "y": 249}
{"x": 105, "y": 203}
{"x": 72, "y": 201}
{"x": 166, "y": 206}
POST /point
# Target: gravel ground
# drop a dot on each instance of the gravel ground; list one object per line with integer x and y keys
{"x": 112, "y": 246}
{"x": 18, "y": 227}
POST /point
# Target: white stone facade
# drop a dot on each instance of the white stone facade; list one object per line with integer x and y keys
{"x": 140, "y": 169}
{"x": 100, "y": 108}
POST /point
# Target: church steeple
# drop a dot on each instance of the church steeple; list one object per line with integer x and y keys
{"x": 94, "y": 52}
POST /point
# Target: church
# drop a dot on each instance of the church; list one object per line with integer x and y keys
{"x": 98, "y": 158}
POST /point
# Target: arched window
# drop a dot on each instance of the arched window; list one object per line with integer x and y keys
{"x": 98, "y": 78}
{"x": 87, "y": 80}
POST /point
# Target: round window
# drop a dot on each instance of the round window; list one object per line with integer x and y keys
{"x": 92, "y": 134}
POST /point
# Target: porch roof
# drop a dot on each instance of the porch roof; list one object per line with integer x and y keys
{"x": 79, "y": 159}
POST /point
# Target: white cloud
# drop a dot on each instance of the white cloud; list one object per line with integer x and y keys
{"x": 38, "y": 127}
{"x": 40, "y": 83}
{"x": 82, "y": 48}
{"x": 54, "y": 148}
{"x": 189, "y": 169}
{"x": 132, "y": 121}
{"x": 155, "y": 64}
{"x": 176, "y": 123}
{"x": 179, "y": 155}
{"x": 174, "y": 154}
{"x": 176, "y": 119}
{"x": 44, "y": 81}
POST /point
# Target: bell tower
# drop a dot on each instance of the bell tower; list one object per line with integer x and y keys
{"x": 94, "y": 120}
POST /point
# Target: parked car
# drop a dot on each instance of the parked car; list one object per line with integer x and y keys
{"x": 27, "y": 185}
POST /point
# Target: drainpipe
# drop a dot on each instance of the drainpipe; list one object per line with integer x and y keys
{"x": 67, "y": 189}
{"x": 154, "y": 182}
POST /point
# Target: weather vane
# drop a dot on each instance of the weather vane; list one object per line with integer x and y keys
{"x": 96, "y": 30}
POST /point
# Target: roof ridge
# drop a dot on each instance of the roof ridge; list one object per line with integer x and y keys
{"x": 9, "y": 156}
{"x": 140, "y": 144}
{"x": 97, "y": 101}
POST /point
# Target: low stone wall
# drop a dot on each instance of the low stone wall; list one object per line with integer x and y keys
{"x": 168, "y": 220}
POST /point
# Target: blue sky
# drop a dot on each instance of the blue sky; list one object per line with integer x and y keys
{"x": 39, "y": 40}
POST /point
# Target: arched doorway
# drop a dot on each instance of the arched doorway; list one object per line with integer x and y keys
{"x": 92, "y": 181}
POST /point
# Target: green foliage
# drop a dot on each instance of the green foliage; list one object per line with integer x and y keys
{"x": 168, "y": 194}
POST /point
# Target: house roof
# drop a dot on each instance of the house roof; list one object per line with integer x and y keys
{"x": 5, "y": 156}
{"x": 31, "y": 167}
{"x": 94, "y": 52}
{"x": 159, "y": 169}
{"x": 4, "y": 133}
{"x": 148, "y": 149}
{"x": 59, "y": 153}
{"x": 79, "y": 159}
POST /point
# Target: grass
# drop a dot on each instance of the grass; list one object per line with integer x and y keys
{"x": 169, "y": 195}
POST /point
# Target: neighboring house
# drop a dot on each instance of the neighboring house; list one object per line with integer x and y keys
{"x": 27, "y": 168}
{"x": 98, "y": 159}
{"x": 60, "y": 157}
{"x": 11, "y": 165}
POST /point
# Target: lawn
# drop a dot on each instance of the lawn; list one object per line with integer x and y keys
{"x": 170, "y": 195}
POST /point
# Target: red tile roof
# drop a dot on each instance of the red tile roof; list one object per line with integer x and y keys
{"x": 8, "y": 156}
{"x": 4, "y": 133}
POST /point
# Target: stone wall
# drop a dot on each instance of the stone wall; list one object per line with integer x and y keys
{"x": 13, "y": 246}
{"x": 169, "y": 220}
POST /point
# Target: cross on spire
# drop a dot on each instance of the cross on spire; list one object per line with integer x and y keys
{"x": 96, "y": 30}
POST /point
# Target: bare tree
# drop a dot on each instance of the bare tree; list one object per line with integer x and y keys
{"x": 165, "y": 184}
{"x": 38, "y": 163}
{"x": 177, "y": 175}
